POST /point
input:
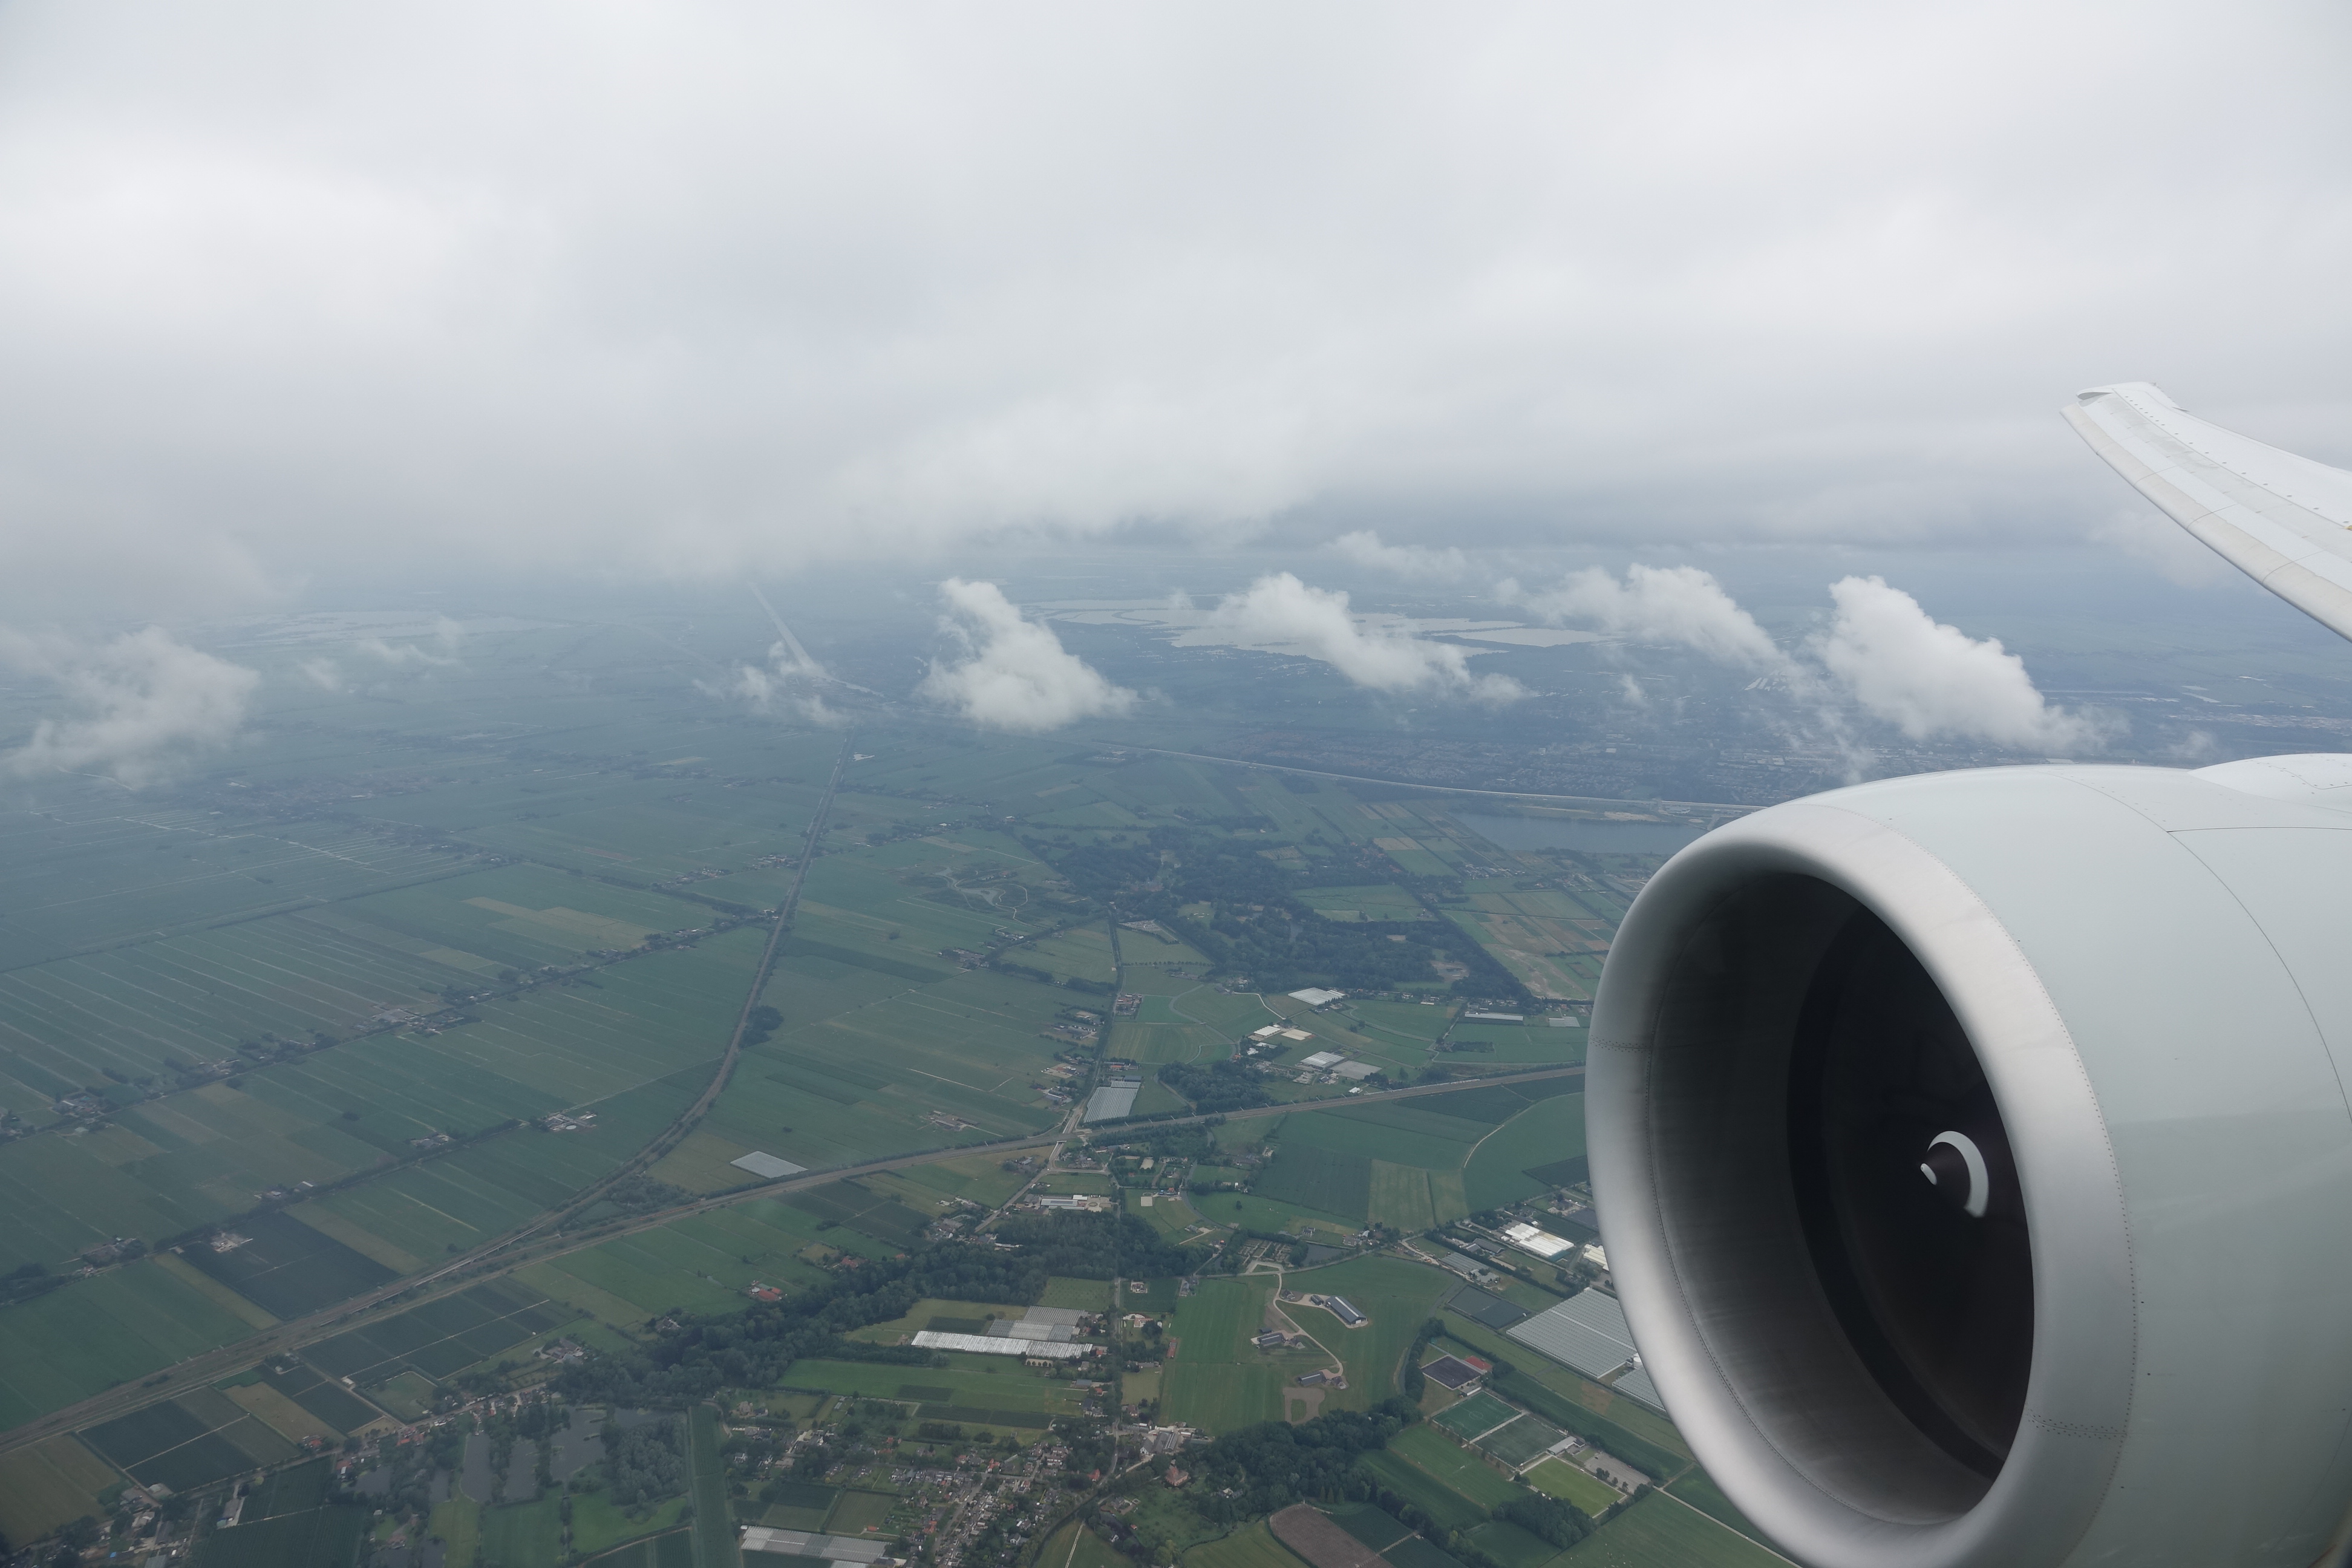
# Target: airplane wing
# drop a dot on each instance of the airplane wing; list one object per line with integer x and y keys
{"x": 2283, "y": 521}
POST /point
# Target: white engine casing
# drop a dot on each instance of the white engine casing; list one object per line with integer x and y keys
{"x": 2154, "y": 971}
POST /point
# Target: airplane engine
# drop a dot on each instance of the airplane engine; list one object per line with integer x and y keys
{"x": 1974, "y": 1161}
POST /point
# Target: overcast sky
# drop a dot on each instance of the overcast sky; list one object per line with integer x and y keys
{"x": 290, "y": 290}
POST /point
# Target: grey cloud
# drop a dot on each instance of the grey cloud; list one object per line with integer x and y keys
{"x": 138, "y": 707}
{"x": 287, "y": 290}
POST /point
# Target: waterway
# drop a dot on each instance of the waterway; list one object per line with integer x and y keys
{"x": 1587, "y": 835}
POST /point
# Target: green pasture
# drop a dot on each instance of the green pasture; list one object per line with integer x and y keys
{"x": 1253, "y": 1545}
{"x": 1087, "y": 1295}
{"x": 1660, "y": 1532}
{"x": 598, "y": 1526}
{"x": 47, "y": 1484}
{"x": 1215, "y": 1378}
{"x": 1082, "y": 952}
{"x": 92, "y": 1334}
{"x": 1557, "y": 1477}
{"x": 1384, "y": 901}
{"x": 714, "y": 1524}
{"x": 1698, "y": 1490}
{"x": 1549, "y": 1131}
{"x": 1449, "y": 1508}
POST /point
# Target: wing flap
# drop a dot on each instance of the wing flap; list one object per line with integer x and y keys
{"x": 2283, "y": 520}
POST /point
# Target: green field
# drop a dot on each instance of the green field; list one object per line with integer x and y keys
{"x": 1448, "y": 1507}
{"x": 1076, "y": 1546}
{"x": 43, "y": 1485}
{"x": 1087, "y": 1295}
{"x": 714, "y": 1525}
{"x": 1251, "y": 1546}
{"x": 1216, "y": 1379}
{"x": 1399, "y": 1296}
{"x": 123, "y": 1323}
{"x": 1565, "y": 1481}
{"x": 1660, "y": 1532}
{"x": 1700, "y": 1491}
{"x": 1455, "y": 1468}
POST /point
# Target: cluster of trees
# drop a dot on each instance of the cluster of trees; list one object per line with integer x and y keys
{"x": 1271, "y": 1465}
{"x": 1259, "y": 927}
{"x": 764, "y": 1022}
{"x": 1218, "y": 1086}
{"x": 1411, "y": 1383}
{"x": 706, "y": 1354}
{"x": 644, "y": 1463}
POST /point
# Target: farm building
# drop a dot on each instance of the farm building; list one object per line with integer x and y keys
{"x": 1322, "y": 1059}
{"x": 1314, "y": 996}
{"x": 1345, "y": 1311}
{"x": 1588, "y": 1331}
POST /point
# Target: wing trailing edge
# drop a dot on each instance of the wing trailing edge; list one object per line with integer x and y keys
{"x": 2283, "y": 520}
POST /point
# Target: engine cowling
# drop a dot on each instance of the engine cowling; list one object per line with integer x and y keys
{"x": 1974, "y": 1160}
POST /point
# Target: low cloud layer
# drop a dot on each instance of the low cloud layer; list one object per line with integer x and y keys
{"x": 1417, "y": 561}
{"x": 1281, "y": 612}
{"x": 1013, "y": 674}
{"x": 140, "y": 706}
{"x": 1881, "y": 653}
{"x": 297, "y": 292}
{"x": 1677, "y": 604}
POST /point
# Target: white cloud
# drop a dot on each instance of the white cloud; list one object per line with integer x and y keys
{"x": 143, "y": 704}
{"x": 1677, "y": 604}
{"x": 323, "y": 673}
{"x": 1929, "y": 679}
{"x": 1415, "y": 561}
{"x": 780, "y": 688}
{"x": 404, "y": 655}
{"x": 1014, "y": 674}
{"x": 1881, "y": 653}
{"x": 1280, "y": 612}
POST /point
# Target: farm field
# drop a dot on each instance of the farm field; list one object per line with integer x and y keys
{"x": 1698, "y": 1490}
{"x": 1567, "y": 1399}
{"x": 1251, "y": 1546}
{"x": 164, "y": 1167}
{"x": 1455, "y": 1468}
{"x": 1076, "y": 1546}
{"x": 1399, "y": 1297}
{"x": 1662, "y": 1532}
{"x": 195, "y": 1438}
{"x": 714, "y": 1525}
{"x": 1563, "y": 1480}
{"x": 957, "y": 1059}
{"x": 441, "y": 1338}
{"x": 43, "y": 1485}
{"x": 1413, "y": 1163}
{"x": 1448, "y": 1507}
{"x": 1215, "y": 1378}
{"x": 120, "y": 1324}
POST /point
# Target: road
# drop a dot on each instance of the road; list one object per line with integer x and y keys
{"x": 530, "y": 1247}
{"x": 1588, "y": 801}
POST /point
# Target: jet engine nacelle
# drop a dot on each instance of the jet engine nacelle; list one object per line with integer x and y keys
{"x": 1975, "y": 1164}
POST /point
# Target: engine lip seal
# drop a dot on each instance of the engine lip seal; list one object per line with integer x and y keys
{"x": 2078, "y": 1402}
